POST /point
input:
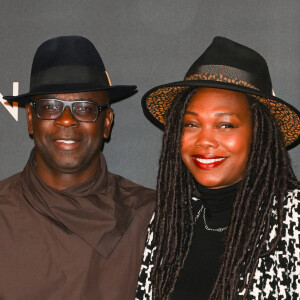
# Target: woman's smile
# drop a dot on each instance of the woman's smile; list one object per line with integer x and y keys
{"x": 207, "y": 162}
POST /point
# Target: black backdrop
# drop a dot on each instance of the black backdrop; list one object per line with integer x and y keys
{"x": 143, "y": 42}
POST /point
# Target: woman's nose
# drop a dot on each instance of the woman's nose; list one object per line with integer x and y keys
{"x": 206, "y": 138}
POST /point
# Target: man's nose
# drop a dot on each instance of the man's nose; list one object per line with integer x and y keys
{"x": 67, "y": 119}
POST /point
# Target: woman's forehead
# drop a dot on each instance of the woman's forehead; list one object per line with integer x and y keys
{"x": 214, "y": 99}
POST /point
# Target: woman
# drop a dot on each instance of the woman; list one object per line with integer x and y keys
{"x": 228, "y": 214}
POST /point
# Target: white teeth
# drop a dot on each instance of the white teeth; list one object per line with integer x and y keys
{"x": 65, "y": 141}
{"x": 208, "y": 161}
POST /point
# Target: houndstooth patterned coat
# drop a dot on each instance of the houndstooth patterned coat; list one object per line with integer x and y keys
{"x": 277, "y": 275}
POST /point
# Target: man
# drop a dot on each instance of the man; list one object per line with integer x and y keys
{"x": 69, "y": 229}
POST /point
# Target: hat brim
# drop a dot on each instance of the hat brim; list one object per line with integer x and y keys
{"x": 157, "y": 102}
{"x": 116, "y": 92}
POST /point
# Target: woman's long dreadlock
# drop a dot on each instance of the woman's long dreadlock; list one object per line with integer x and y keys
{"x": 268, "y": 175}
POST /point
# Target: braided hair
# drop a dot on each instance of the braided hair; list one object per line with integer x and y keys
{"x": 268, "y": 174}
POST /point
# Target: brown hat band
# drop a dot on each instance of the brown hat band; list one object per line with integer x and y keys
{"x": 225, "y": 74}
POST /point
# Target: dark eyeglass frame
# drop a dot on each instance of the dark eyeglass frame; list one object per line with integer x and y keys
{"x": 69, "y": 104}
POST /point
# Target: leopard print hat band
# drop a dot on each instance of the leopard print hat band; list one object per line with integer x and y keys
{"x": 228, "y": 65}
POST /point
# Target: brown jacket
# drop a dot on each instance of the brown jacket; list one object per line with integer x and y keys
{"x": 84, "y": 242}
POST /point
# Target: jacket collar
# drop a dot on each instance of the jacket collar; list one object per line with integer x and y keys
{"x": 89, "y": 210}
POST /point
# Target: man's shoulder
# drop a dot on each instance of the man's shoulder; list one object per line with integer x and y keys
{"x": 129, "y": 184}
{"x": 8, "y": 183}
{"x": 133, "y": 194}
{"x": 9, "y": 188}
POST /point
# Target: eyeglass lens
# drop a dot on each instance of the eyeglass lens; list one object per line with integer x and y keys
{"x": 51, "y": 109}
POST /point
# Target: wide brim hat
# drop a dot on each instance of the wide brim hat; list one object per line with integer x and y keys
{"x": 69, "y": 64}
{"x": 226, "y": 64}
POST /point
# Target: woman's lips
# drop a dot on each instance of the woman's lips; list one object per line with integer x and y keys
{"x": 208, "y": 162}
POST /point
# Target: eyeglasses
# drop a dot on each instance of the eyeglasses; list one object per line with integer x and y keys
{"x": 82, "y": 110}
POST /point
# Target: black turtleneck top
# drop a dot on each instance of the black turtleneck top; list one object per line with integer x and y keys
{"x": 202, "y": 264}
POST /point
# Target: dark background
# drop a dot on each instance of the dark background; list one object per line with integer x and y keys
{"x": 143, "y": 42}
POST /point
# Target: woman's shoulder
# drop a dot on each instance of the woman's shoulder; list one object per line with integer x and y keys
{"x": 277, "y": 274}
{"x": 292, "y": 203}
{"x": 291, "y": 214}
{"x": 293, "y": 193}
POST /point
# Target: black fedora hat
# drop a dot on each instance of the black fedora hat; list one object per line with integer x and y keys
{"x": 69, "y": 64}
{"x": 227, "y": 65}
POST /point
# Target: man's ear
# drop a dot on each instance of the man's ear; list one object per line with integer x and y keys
{"x": 109, "y": 117}
{"x": 29, "y": 118}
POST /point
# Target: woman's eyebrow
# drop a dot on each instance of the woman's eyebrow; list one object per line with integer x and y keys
{"x": 220, "y": 114}
{"x": 191, "y": 113}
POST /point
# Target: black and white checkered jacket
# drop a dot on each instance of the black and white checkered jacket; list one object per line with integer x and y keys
{"x": 277, "y": 275}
